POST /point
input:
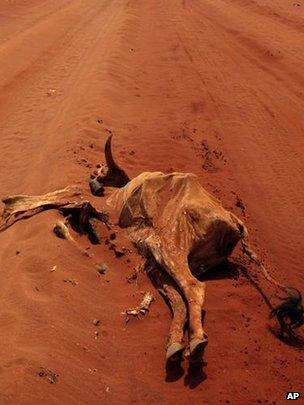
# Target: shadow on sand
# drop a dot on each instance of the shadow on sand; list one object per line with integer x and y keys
{"x": 195, "y": 374}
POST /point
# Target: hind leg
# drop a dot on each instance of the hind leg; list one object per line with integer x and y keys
{"x": 175, "y": 343}
{"x": 192, "y": 290}
{"x": 194, "y": 293}
{"x": 169, "y": 290}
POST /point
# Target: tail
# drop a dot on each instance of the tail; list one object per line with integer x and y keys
{"x": 247, "y": 250}
{"x": 293, "y": 293}
{"x": 292, "y": 305}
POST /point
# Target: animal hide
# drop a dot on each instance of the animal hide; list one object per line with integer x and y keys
{"x": 25, "y": 206}
{"x": 173, "y": 212}
{"x": 68, "y": 201}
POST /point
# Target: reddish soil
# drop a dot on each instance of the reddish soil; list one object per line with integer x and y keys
{"x": 213, "y": 87}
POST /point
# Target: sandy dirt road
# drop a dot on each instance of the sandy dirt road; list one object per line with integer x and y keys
{"x": 213, "y": 87}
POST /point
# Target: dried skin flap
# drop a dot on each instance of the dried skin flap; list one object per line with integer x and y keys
{"x": 173, "y": 212}
{"x": 24, "y": 206}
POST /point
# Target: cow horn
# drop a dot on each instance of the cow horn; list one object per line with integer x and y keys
{"x": 116, "y": 177}
{"x": 108, "y": 154}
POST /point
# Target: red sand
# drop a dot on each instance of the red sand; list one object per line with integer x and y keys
{"x": 213, "y": 87}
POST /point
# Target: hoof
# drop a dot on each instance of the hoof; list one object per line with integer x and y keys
{"x": 197, "y": 347}
{"x": 175, "y": 352}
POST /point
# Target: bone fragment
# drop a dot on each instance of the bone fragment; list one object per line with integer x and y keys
{"x": 143, "y": 307}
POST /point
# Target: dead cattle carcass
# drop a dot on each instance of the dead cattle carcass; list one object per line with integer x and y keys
{"x": 182, "y": 230}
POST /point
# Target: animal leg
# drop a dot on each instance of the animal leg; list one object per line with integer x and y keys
{"x": 169, "y": 290}
{"x": 194, "y": 293}
{"x": 175, "y": 343}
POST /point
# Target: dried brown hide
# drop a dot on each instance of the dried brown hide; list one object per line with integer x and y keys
{"x": 177, "y": 225}
{"x": 77, "y": 212}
